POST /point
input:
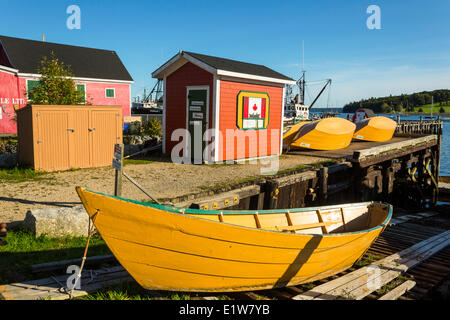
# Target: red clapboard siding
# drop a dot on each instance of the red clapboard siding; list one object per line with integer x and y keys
{"x": 176, "y": 83}
{"x": 257, "y": 142}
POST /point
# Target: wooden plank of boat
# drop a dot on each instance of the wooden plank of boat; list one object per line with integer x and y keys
{"x": 377, "y": 129}
{"x": 179, "y": 249}
{"x": 363, "y": 281}
{"x": 395, "y": 293}
{"x": 324, "y": 134}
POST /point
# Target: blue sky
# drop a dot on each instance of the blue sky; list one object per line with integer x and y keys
{"x": 410, "y": 53}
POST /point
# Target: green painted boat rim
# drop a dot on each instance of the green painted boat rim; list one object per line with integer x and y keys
{"x": 183, "y": 211}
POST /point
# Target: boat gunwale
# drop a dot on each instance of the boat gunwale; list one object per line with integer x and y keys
{"x": 183, "y": 211}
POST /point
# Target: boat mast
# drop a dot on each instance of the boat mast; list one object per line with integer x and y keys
{"x": 302, "y": 80}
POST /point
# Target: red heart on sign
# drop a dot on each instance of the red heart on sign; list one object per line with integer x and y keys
{"x": 255, "y": 107}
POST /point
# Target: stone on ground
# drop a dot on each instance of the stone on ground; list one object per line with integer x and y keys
{"x": 58, "y": 222}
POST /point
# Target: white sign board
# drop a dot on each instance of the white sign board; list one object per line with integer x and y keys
{"x": 117, "y": 164}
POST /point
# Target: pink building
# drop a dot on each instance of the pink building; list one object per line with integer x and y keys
{"x": 100, "y": 74}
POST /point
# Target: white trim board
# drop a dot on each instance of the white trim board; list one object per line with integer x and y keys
{"x": 8, "y": 70}
{"x": 216, "y": 118}
{"x": 34, "y": 75}
{"x": 164, "y": 118}
{"x": 203, "y": 87}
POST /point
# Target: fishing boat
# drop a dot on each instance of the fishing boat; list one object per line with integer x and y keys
{"x": 324, "y": 134}
{"x": 375, "y": 129}
{"x": 178, "y": 249}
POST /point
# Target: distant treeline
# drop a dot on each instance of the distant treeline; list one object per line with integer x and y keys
{"x": 404, "y": 102}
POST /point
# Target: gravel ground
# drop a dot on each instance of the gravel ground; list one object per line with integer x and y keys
{"x": 161, "y": 178}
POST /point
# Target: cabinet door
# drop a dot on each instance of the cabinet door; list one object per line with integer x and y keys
{"x": 105, "y": 130}
{"x": 52, "y": 140}
{"x": 80, "y": 155}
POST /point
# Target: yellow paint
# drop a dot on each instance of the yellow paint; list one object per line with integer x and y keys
{"x": 375, "y": 129}
{"x": 165, "y": 250}
{"x": 325, "y": 134}
{"x": 240, "y": 106}
{"x": 289, "y": 135}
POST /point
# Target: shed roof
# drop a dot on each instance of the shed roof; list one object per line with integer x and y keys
{"x": 25, "y": 55}
{"x": 222, "y": 66}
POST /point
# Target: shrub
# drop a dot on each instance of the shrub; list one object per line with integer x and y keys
{"x": 441, "y": 110}
{"x": 56, "y": 86}
{"x": 152, "y": 128}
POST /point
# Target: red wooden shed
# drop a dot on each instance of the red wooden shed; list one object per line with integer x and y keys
{"x": 236, "y": 107}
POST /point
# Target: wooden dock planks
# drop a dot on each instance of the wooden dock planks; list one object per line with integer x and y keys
{"x": 360, "y": 283}
{"x": 52, "y": 287}
{"x": 394, "y": 294}
{"x": 409, "y": 217}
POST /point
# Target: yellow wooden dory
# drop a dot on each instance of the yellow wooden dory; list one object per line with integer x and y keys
{"x": 375, "y": 129}
{"x": 169, "y": 248}
{"x": 324, "y": 134}
{"x": 289, "y": 135}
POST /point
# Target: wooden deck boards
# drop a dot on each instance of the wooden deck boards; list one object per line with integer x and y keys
{"x": 367, "y": 153}
{"x": 361, "y": 282}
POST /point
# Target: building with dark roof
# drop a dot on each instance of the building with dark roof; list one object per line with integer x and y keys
{"x": 100, "y": 74}
{"x": 231, "y": 110}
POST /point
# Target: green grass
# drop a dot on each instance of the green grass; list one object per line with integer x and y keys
{"x": 137, "y": 161}
{"x": 366, "y": 260}
{"x": 392, "y": 285}
{"x": 133, "y": 291}
{"x": 24, "y": 249}
{"x": 21, "y": 174}
{"x": 427, "y": 109}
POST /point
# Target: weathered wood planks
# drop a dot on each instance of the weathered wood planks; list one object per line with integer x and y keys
{"x": 53, "y": 287}
{"x": 395, "y": 293}
{"x": 361, "y": 282}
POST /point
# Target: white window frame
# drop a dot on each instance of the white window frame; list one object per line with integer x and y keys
{"x": 27, "y": 97}
{"x": 114, "y": 90}
{"x": 84, "y": 84}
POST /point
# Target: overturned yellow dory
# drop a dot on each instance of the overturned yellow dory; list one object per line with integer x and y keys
{"x": 169, "y": 248}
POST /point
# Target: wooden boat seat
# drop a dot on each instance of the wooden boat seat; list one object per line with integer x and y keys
{"x": 301, "y": 226}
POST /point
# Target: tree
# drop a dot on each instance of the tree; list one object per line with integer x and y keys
{"x": 56, "y": 86}
{"x": 385, "y": 108}
{"x": 420, "y": 110}
{"x": 398, "y": 108}
{"x": 442, "y": 110}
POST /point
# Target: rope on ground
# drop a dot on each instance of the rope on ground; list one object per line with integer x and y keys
{"x": 90, "y": 233}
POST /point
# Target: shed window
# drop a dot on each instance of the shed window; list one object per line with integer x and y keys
{"x": 82, "y": 87}
{"x": 32, "y": 84}
{"x": 110, "y": 93}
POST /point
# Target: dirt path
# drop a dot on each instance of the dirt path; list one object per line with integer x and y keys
{"x": 161, "y": 179}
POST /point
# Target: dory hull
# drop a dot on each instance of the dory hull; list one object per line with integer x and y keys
{"x": 325, "y": 134}
{"x": 290, "y": 134}
{"x": 377, "y": 129}
{"x": 174, "y": 251}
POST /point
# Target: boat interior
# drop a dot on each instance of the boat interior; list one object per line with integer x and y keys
{"x": 324, "y": 220}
